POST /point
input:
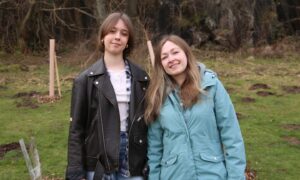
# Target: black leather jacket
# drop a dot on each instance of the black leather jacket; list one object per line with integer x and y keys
{"x": 94, "y": 134}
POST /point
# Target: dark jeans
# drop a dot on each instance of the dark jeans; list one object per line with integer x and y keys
{"x": 123, "y": 172}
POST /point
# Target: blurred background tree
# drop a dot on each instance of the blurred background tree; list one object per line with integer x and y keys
{"x": 27, "y": 25}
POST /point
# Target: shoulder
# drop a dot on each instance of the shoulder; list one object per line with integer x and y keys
{"x": 95, "y": 69}
{"x": 208, "y": 76}
{"x": 137, "y": 72}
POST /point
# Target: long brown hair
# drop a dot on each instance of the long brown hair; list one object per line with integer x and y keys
{"x": 161, "y": 81}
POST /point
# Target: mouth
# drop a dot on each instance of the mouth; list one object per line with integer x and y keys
{"x": 173, "y": 65}
{"x": 116, "y": 44}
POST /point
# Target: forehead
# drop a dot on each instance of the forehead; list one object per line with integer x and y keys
{"x": 168, "y": 46}
{"x": 120, "y": 24}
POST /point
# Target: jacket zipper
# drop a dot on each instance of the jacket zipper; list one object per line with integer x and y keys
{"x": 104, "y": 145}
{"x": 90, "y": 133}
{"x": 133, "y": 119}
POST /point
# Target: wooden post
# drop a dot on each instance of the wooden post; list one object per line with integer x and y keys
{"x": 151, "y": 52}
{"x": 34, "y": 172}
{"x": 57, "y": 76}
{"x": 51, "y": 67}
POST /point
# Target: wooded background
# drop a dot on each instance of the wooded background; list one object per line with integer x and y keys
{"x": 27, "y": 25}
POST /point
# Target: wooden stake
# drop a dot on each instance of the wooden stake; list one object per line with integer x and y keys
{"x": 149, "y": 45}
{"x": 51, "y": 67}
{"x": 57, "y": 75}
{"x": 151, "y": 52}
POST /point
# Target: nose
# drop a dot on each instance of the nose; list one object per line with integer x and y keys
{"x": 170, "y": 58}
{"x": 117, "y": 35}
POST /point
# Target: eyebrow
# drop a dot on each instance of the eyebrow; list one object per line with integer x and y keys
{"x": 173, "y": 49}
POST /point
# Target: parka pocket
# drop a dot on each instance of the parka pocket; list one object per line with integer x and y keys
{"x": 211, "y": 166}
{"x": 212, "y": 158}
{"x": 169, "y": 160}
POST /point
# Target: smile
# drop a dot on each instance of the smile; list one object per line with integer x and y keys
{"x": 173, "y": 65}
{"x": 116, "y": 44}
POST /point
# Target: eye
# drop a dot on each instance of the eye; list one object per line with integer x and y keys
{"x": 124, "y": 33}
{"x": 112, "y": 30}
{"x": 163, "y": 57}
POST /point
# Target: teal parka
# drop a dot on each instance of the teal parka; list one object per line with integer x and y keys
{"x": 201, "y": 142}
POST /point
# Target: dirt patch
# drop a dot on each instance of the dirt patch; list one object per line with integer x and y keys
{"x": 27, "y": 94}
{"x": 239, "y": 116}
{"x": 4, "y": 148}
{"x": 3, "y": 87}
{"x": 291, "y": 140}
{"x": 230, "y": 90}
{"x": 291, "y": 89}
{"x": 47, "y": 99}
{"x": 250, "y": 174}
{"x": 259, "y": 86}
{"x": 32, "y": 99}
{"x": 291, "y": 127}
{"x": 28, "y": 103}
{"x": 27, "y": 99}
{"x": 24, "y": 68}
{"x": 248, "y": 100}
{"x": 265, "y": 93}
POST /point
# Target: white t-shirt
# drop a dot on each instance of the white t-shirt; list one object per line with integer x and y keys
{"x": 121, "y": 85}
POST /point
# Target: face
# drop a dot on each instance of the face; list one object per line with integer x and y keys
{"x": 174, "y": 61}
{"x": 116, "y": 40}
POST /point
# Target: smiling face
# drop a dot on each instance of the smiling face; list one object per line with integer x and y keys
{"x": 116, "y": 39}
{"x": 174, "y": 61}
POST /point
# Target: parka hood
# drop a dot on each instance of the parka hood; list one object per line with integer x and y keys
{"x": 208, "y": 77}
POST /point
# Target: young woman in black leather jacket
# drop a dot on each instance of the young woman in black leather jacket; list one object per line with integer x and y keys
{"x": 108, "y": 135}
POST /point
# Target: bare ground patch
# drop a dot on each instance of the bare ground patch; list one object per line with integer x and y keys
{"x": 291, "y": 89}
{"x": 4, "y": 148}
{"x": 248, "y": 100}
{"x": 250, "y": 174}
{"x": 291, "y": 140}
{"x": 265, "y": 93}
{"x": 259, "y": 86}
{"x": 32, "y": 99}
{"x": 291, "y": 127}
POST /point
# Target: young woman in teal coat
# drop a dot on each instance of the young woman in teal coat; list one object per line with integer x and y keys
{"x": 193, "y": 129}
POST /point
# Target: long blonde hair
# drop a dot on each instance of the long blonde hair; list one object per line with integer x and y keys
{"x": 161, "y": 82}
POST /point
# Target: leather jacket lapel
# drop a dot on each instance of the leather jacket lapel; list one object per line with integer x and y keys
{"x": 102, "y": 81}
{"x": 105, "y": 87}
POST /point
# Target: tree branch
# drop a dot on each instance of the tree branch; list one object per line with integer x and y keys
{"x": 71, "y": 8}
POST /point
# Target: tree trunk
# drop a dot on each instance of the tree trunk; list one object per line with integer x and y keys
{"x": 131, "y": 8}
{"x": 101, "y": 10}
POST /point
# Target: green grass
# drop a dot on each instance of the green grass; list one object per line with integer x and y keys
{"x": 48, "y": 123}
{"x": 269, "y": 151}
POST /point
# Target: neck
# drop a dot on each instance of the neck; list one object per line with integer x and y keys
{"x": 114, "y": 62}
{"x": 179, "y": 79}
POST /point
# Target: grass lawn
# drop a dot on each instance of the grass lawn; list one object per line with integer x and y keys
{"x": 265, "y": 92}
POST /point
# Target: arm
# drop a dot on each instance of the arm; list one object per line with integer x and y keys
{"x": 155, "y": 149}
{"x": 230, "y": 133}
{"x": 75, "y": 169}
